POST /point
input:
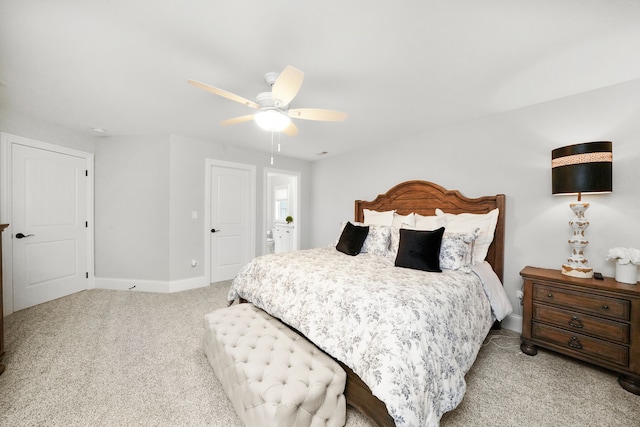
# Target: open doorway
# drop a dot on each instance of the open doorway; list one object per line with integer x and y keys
{"x": 281, "y": 208}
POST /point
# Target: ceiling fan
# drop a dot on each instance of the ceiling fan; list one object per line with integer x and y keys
{"x": 274, "y": 113}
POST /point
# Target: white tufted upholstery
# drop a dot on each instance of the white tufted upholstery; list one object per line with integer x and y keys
{"x": 273, "y": 376}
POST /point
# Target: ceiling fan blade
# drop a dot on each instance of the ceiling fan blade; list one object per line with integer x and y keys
{"x": 291, "y": 130}
{"x": 317, "y": 114}
{"x": 235, "y": 120}
{"x": 287, "y": 84}
{"x": 224, "y": 93}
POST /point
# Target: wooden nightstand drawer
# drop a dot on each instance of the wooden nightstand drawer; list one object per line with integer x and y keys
{"x": 582, "y": 323}
{"x": 582, "y": 344}
{"x": 595, "y": 304}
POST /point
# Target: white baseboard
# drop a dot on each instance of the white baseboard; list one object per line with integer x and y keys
{"x": 150, "y": 285}
{"x": 186, "y": 284}
{"x": 513, "y": 322}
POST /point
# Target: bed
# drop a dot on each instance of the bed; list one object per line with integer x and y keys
{"x": 405, "y": 337}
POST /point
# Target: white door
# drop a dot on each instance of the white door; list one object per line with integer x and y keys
{"x": 49, "y": 214}
{"x": 231, "y": 219}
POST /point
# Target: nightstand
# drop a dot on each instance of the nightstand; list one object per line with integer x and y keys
{"x": 597, "y": 321}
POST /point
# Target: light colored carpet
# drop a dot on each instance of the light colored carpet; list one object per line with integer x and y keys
{"x": 117, "y": 358}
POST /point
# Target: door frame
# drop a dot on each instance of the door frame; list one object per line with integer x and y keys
{"x": 7, "y": 140}
{"x": 210, "y": 163}
{"x": 296, "y": 216}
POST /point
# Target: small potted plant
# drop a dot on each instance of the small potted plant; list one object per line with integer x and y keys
{"x": 627, "y": 262}
{"x": 289, "y": 219}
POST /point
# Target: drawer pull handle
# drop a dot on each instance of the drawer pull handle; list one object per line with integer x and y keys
{"x": 605, "y": 307}
{"x": 575, "y": 343}
{"x": 575, "y": 322}
{"x": 550, "y": 295}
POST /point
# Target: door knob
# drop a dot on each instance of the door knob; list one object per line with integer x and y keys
{"x": 22, "y": 236}
{"x": 213, "y": 230}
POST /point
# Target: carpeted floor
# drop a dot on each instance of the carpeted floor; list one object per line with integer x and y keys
{"x": 117, "y": 358}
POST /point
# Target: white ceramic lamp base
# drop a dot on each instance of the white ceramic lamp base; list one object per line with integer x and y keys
{"x": 577, "y": 265}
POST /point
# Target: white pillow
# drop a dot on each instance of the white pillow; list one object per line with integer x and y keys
{"x": 456, "y": 250}
{"x": 468, "y": 223}
{"x": 432, "y": 222}
{"x": 378, "y": 218}
{"x": 399, "y": 220}
{"x": 377, "y": 241}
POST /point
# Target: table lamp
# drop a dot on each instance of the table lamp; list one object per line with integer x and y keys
{"x": 577, "y": 169}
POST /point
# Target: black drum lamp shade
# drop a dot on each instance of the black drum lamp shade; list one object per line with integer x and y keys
{"x": 582, "y": 168}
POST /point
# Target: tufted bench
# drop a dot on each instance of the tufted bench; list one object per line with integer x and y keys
{"x": 273, "y": 376}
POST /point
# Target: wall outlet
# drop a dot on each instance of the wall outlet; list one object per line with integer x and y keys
{"x": 520, "y": 295}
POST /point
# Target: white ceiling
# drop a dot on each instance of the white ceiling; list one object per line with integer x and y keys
{"x": 398, "y": 68}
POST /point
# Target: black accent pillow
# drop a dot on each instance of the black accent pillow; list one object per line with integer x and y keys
{"x": 420, "y": 249}
{"x": 352, "y": 239}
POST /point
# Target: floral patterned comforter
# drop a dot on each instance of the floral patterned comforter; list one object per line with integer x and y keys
{"x": 410, "y": 335}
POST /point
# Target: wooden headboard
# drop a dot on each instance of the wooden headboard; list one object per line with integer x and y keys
{"x": 424, "y": 197}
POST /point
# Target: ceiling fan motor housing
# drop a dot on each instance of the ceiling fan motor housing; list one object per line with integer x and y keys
{"x": 267, "y": 101}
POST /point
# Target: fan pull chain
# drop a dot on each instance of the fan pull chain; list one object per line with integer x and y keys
{"x": 271, "y": 148}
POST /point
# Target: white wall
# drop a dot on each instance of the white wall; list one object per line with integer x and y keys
{"x": 508, "y": 153}
{"x": 132, "y": 209}
{"x": 147, "y": 188}
{"x": 31, "y": 127}
{"x": 187, "y": 195}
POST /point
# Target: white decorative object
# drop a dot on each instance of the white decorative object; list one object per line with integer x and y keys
{"x": 577, "y": 265}
{"x": 627, "y": 262}
{"x": 627, "y": 273}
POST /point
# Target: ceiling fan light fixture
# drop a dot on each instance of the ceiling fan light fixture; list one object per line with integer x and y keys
{"x": 273, "y": 120}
